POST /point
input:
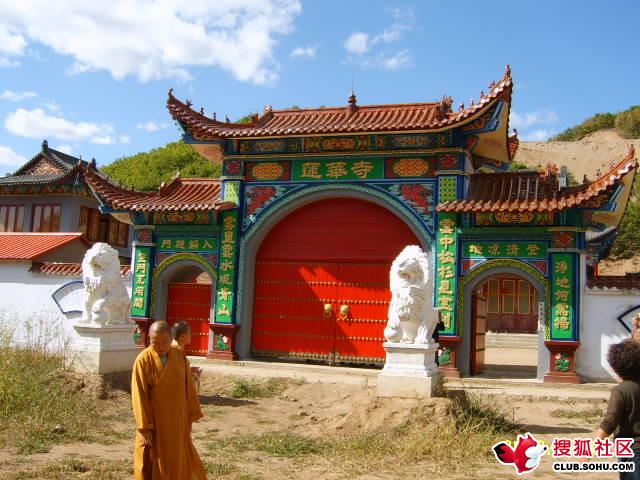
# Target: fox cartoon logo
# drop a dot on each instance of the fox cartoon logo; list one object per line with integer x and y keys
{"x": 525, "y": 457}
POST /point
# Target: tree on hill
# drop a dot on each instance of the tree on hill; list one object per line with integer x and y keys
{"x": 146, "y": 171}
{"x": 627, "y": 123}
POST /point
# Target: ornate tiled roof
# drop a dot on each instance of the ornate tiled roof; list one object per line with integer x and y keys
{"x": 513, "y": 143}
{"x": 47, "y": 166}
{"x": 66, "y": 269}
{"x": 349, "y": 119}
{"x": 30, "y": 246}
{"x": 626, "y": 282}
{"x": 180, "y": 195}
{"x": 533, "y": 191}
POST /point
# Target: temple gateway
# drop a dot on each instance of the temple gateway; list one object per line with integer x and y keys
{"x": 287, "y": 255}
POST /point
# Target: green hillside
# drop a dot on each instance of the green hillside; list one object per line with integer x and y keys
{"x": 146, "y": 171}
{"x": 627, "y": 124}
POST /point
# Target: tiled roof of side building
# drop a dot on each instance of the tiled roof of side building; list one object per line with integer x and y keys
{"x": 30, "y": 246}
{"x": 46, "y": 166}
{"x": 533, "y": 191}
{"x": 66, "y": 269}
{"x": 349, "y": 119}
{"x": 180, "y": 195}
{"x": 622, "y": 282}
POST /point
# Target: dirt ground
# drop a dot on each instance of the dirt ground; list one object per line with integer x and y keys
{"x": 312, "y": 410}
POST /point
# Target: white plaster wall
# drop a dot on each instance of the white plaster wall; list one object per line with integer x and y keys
{"x": 600, "y": 328}
{"x": 28, "y": 314}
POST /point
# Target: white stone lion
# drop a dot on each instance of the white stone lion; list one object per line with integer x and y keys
{"x": 106, "y": 301}
{"x": 412, "y": 317}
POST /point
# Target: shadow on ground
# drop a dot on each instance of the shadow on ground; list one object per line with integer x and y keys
{"x": 541, "y": 429}
{"x": 221, "y": 401}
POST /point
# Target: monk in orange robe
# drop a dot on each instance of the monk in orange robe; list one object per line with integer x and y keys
{"x": 165, "y": 405}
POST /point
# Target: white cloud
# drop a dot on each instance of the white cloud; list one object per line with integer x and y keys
{"x": 15, "y": 96}
{"x": 402, "y": 59}
{"x": 10, "y": 158}
{"x": 54, "y": 107}
{"x": 153, "y": 39}
{"x": 103, "y": 140}
{"x": 37, "y": 123}
{"x": 310, "y": 51}
{"x": 11, "y": 42}
{"x": 357, "y": 42}
{"x": 539, "y": 117}
{"x": 363, "y": 45}
{"x": 538, "y": 135}
{"x": 6, "y": 63}
{"x": 124, "y": 139}
{"x": 152, "y": 126}
{"x": 68, "y": 149}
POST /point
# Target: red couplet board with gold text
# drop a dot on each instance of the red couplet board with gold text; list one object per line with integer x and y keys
{"x": 322, "y": 282}
{"x": 191, "y": 302}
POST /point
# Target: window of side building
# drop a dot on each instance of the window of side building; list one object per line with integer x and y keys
{"x": 98, "y": 227}
{"x": 11, "y": 218}
{"x": 46, "y": 218}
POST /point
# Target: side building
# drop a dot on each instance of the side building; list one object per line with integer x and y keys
{"x": 48, "y": 219}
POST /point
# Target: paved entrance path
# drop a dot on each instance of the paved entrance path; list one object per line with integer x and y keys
{"x": 367, "y": 377}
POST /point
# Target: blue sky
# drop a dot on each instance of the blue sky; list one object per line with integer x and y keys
{"x": 93, "y": 80}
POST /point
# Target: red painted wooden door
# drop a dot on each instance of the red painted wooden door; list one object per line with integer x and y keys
{"x": 332, "y": 252}
{"x": 191, "y": 302}
{"x": 478, "y": 332}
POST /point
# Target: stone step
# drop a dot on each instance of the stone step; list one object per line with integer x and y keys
{"x": 512, "y": 340}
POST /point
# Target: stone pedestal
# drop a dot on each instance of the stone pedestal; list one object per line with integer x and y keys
{"x": 562, "y": 364}
{"x": 102, "y": 349}
{"x": 410, "y": 371}
{"x": 224, "y": 341}
{"x": 449, "y": 345}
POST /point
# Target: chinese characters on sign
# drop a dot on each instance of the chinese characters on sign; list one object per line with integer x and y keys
{"x": 337, "y": 169}
{"x": 188, "y": 244}
{"x": 562, "y": 297}
{"x": 141, "y": 275}
{"x": 505, "y": 249}
{"x": 446, "y": 270}
{"x": 226, "y": 270}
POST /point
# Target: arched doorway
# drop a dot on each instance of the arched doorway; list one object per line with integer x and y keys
{"x": 504, "y": 324}
{"x": 184, "y": 293}
{"x": 504, "y": 327}
{"x": 321, "y": 281}
{"x": 512, "y": 305}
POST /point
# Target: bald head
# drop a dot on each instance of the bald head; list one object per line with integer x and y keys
{"x": 160, "y": 337}
{"x": 160, "y": 327}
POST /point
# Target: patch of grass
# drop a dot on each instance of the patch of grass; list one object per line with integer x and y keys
{"x": 217, "y": 468}
{"x": 281, "y": 444}
{"x": 70, "y": 468}
{"x": 35, "y": 398}
{"x": 589, "y": 414}
{"x": 468, "y": 431}
{"x": 260, "y": 387}
{"x": 249, "y": 476}
{"x": 480, "y": 415}
{"x": 265, "y": 421}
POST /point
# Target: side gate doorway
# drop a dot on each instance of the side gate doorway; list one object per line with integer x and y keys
{"x": 191, "y": 302}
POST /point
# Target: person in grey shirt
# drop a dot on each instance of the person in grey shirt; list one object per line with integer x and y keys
{"x": 623, "y": 411}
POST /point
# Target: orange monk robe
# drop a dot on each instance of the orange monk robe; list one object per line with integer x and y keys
{"x": 165, "y": 401}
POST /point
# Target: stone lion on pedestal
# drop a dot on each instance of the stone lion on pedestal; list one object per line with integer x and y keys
{"x": 106, "y": 301}
{"x": 412, "y": 317}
